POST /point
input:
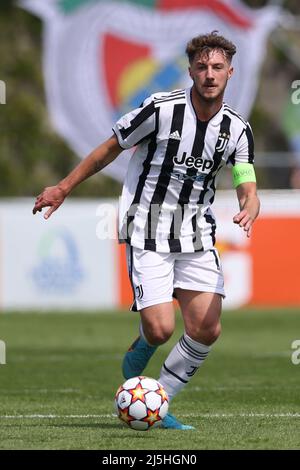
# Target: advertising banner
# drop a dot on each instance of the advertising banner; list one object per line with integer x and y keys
{"x": 55, "y": 264}
{"x": 262, "y": 270}
{"x": 73, "y": 260}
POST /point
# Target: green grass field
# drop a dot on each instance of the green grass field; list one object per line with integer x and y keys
{"x": 62, "y": 372}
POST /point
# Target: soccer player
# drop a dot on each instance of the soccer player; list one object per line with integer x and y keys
{"x": 183, "y": 138}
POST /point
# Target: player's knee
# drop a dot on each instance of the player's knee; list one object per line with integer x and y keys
{"x": 157, "y": 335}
{"x": 206, "y": 334}
{"x": 212, "y": 333}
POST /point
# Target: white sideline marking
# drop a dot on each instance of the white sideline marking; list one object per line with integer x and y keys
{"x": 38, "y": 416}
{"x": 39, "y": 390}
{"x": 235, "y": 388}
{"x": 271, "y": 354}
{"x": 200, "y": 415}
{"x": 243, "y": 415}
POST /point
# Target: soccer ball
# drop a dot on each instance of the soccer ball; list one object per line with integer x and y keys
{"x": 141, "y": 403}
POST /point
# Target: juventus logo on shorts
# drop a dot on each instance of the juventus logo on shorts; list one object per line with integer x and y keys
{"x": 222, "y": 141}
{"x": 139, "y": 292}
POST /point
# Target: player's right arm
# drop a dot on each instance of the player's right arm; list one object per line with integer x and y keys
{"x": 99, "y": 158}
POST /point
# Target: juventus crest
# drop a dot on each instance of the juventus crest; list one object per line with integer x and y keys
{"x": 222, "y": 142}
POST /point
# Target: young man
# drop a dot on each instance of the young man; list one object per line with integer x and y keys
{"x": 183, "y": 139}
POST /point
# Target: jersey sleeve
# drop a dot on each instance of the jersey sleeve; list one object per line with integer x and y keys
{"x": 244, "y": 150}
{"x": 137, "y": 125}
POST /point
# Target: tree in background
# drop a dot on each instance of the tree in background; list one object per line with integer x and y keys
{"x": 32, "y": 155}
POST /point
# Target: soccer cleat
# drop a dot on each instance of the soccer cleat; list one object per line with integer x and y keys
{"x": 137, "y": 357}
{"x": 170, "y": 422}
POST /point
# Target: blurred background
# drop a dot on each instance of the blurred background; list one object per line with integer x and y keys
{"x": 68, "y": 69}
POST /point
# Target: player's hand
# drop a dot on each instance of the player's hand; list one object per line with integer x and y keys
{"x": 51, "y": 197}
{"x": 244, "y": 220}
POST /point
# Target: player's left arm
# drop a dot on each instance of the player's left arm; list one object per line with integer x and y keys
{"x": 244, "y": 180}
{"x": 249, "y": 206}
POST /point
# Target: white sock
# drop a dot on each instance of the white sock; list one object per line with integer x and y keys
{"x": 181, "y": 364}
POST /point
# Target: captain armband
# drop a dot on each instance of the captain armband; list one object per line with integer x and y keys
{"x": 243, "y": 173}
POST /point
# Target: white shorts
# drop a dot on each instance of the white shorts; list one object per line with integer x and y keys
{"x": 154, "y": 276}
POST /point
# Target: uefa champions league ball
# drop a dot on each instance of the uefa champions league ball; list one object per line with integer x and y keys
{"x": 141, "y": 403}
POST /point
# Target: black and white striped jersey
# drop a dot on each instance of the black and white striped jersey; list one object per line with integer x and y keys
{"x": 171, "y": 178}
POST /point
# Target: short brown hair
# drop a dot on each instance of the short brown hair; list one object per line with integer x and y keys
{"x": 205, "y": 43}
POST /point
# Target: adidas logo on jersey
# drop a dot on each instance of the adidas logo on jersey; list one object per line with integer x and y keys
{"x": 175, "y": 136}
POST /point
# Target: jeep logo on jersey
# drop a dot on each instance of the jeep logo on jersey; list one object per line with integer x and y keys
{"x": 222, "y": 141}
{"x": 110, "y": 65}
{"x": 189, "y": 161}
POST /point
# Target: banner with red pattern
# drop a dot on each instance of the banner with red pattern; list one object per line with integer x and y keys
{"x": 102, "y": 58}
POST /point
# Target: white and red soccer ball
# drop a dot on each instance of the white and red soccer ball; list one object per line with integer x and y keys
{"x": 141, "y": 403}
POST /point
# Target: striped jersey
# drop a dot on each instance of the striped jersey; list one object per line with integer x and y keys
{"x": 172, "y": 174}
